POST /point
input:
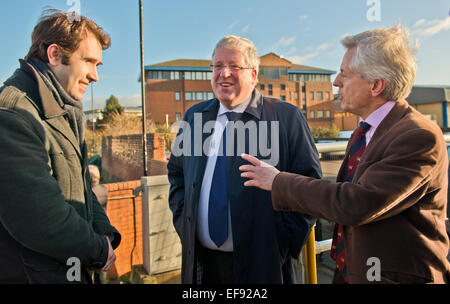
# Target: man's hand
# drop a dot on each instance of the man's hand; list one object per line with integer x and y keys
{"x": 261, "y": 174}
{"x": 111, "y": 257}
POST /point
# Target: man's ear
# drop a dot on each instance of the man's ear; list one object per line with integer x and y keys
{"x": 54, "y": 55}
{"x": 254, "y": 75}
{"x": 378, "y": 87}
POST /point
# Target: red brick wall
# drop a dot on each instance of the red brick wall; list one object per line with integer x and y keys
{"x": 120, "y": 212}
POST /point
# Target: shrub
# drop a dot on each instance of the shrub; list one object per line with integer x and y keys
{"x": 323, "y": 132}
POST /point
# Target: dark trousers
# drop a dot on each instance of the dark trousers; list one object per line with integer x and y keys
{"x": 217, "y": 266}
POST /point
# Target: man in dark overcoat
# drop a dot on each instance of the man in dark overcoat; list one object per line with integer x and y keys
{"x": 52, "y": 228}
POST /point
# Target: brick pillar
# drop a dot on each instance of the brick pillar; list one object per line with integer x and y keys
{"x": 128, "y": 221}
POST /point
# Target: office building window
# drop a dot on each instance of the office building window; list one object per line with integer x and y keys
{"x": 327, "y": 114}
{"x": 316, "y": 77}
{"x": 273, "y": 72}
{"x": 311, "y": 114}
{"x": 177, "y": 116}
{"x": 283, "y": 87}
{"x": 327, "y": 95}
{"x": 174, "y": 75}
{"x": 319, "y": 95}
{"x": 261, "y": 87}
{"x": 270, "y": 93}
{"x": 177, "y": 95}
{"x": 197, "y": 75}
{"x": 159, "y": 75}
{"x": 311, "y": 95}
{"x": 319, "y": 114}
{"x": 196, "y": 96}
{"x": 282, "y": 97}
{"x": 177, "y": 75}
{"x": 165, "y": 75}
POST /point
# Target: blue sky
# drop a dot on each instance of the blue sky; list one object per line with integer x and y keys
{"x": 305, "y": 32}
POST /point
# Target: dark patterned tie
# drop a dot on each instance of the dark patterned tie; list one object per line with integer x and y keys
{"x": 218, "y": 196}
{"x": 356, "y": 150}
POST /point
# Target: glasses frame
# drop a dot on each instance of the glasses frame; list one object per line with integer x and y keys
{"x": 230, "y": 67}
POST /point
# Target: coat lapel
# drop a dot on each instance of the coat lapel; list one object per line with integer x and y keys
{"x": 252, "y": 112}
{"x": 397, "y": 112}
{"x": 392, "y": 118}
{"x": 61, "y": 125}
{"x": 208, "y": 114}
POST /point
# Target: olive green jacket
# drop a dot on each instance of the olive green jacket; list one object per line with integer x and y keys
{"x": 48, "y": 213}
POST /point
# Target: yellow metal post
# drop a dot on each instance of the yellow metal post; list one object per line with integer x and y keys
{"x": 311, "y": 270}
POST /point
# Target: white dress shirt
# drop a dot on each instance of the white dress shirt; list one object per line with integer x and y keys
{"x": 202, "y": 226}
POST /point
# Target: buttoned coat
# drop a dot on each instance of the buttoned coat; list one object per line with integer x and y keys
{"x": 394, "y": 208}
{"x": 50, "y": 221}
{"x": 263, "y": 240}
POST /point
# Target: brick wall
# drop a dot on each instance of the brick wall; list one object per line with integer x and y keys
{"x": 128, "y": 221}
{"x": 122, "y": 157}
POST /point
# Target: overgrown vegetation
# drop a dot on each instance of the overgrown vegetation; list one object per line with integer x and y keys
{"x": 323, "y": 132}
{"x": 120, "y": 124}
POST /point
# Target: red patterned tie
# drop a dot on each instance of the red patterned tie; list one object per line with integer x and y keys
{"x": 356, "y": 150}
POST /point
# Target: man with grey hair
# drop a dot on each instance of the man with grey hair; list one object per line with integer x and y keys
{"x": 389, "y": 201}
{"x": 231, "y": 234}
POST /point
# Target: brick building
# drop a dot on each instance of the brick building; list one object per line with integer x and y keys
{"x": 174, "y": 86}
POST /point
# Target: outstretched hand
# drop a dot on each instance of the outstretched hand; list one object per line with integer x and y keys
{"x": 261, "y": 174}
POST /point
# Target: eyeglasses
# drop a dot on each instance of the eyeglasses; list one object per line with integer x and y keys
{"x": 231, "y": 67}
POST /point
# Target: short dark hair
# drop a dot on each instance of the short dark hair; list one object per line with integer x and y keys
{"x": 67, "y": 31}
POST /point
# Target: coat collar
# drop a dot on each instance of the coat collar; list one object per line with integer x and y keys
{"x": 50, "y": 107}
{"x": 42, "y": 98}
{"x": 397, "y": 112}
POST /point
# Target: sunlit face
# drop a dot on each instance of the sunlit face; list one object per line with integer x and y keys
{"x": 230, "y": 86}
{"x": 82, "y": 67}
{"x": 354, "y": 92}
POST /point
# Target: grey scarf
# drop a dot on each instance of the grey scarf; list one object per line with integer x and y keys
{"x": 73, "y": 107}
